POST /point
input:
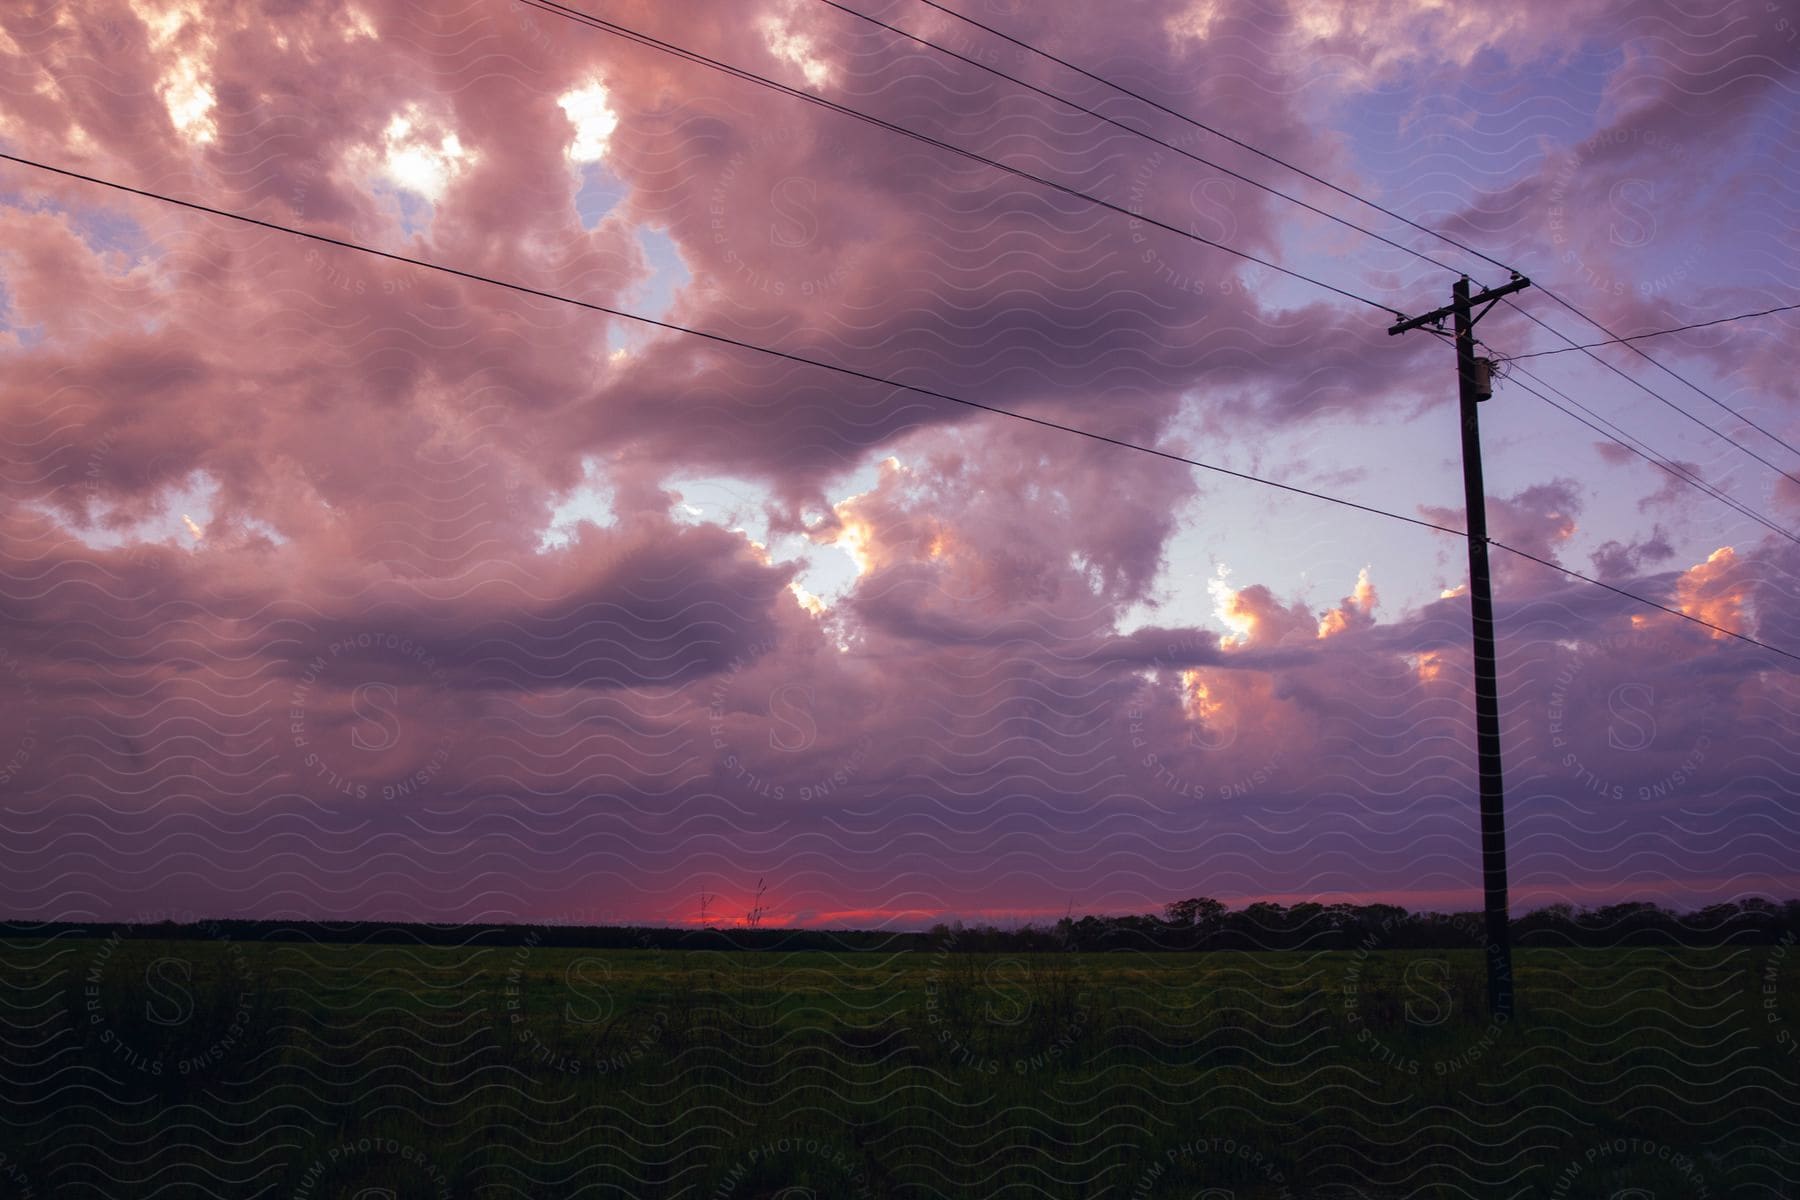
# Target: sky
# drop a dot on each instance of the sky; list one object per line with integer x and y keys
{"x": 340, "y": 587}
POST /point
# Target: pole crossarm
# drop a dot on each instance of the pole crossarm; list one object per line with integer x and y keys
{"x": 1492, "y": 782}
{"x": 1518, "y": 283}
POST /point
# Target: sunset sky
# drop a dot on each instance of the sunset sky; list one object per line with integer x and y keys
{"x": 339, "y": 587}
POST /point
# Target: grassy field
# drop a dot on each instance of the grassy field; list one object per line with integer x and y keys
{"x": 136, "y": 1067}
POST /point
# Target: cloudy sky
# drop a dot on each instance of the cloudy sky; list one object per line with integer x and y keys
{"x": 340, "y": 587}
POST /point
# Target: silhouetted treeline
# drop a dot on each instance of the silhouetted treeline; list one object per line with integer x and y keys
{"x": 1205, "y": 924}
{"x": 1198, "y": 923}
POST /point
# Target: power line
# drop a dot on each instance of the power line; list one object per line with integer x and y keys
{"x": 1649, "y": 455}
{"x": 551, "y": 6}
{"x": 1641, "y": 385}
{"x": 1100, "y": 116}
{"x": 1121, "y": 89}
{"x": 1662, "y": 461}
{"x": 1638, "y": 337}
{"x": 1636, "y": 445}
{"x": 1219, "y": 133}
{"x": 1643, "y": 354}
{"x": 723, "y": 339}
{"x": 1629, "y": 595}
{"x": 1489, "y": 746}
{"x": 681, "y": 52}
{"x": 688, "y": 55}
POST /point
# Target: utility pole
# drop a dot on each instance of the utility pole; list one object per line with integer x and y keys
{"x": 1474, "y": 384}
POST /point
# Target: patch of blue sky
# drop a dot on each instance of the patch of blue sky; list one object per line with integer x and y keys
{"x": 718, "y": 500}
{"x": 412, "y": 211}
{"x": 110, "y": 232}
{"x": 1308, "y": 549}
{"x": 102, "y": 229}
{"x": 1432, "y": 150}
{"x": 257, "y": 527}
{"x": 588, "y": 502}
{"x": 1528, "y": 442}
{"x": 25, "y": 335}
{"x": 178, "y": 517}
{"x": 653, "y": 296}
{"x": 1484, "y": 111}
{"x": 668, "y": 273}
{"x": 827, "y": 571}
{"x": 601, "y": 191}
{"x": 599, "y": 196}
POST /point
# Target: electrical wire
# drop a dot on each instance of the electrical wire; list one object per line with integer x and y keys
{"x": 722, "y": 339}
{"x": 1649, "y": 455}
{"x": 1629, "y": 595}
{"x": 681, "y": 52}
{"x": 1631, "y": 345}
{"x": 1646, "y": 388}
{"x": 524, "y": 289}
{"x": 1638, "y": 337}
{"x": 1219, "y": 133}
{"x": 1146, "y": 135}
{"x": 1613, "y": 338}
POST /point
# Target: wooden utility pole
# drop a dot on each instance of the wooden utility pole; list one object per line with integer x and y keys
{"x": 1473, "y": 376}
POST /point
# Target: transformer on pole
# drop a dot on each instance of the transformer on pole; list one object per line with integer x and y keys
{"x": 1474, "y": 384}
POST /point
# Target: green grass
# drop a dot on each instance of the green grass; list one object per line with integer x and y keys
{"x": 143, "y": 1067}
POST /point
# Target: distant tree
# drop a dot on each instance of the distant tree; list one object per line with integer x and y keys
{"x": 1198, "y": 910}
{"x": 758, "y": 910}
